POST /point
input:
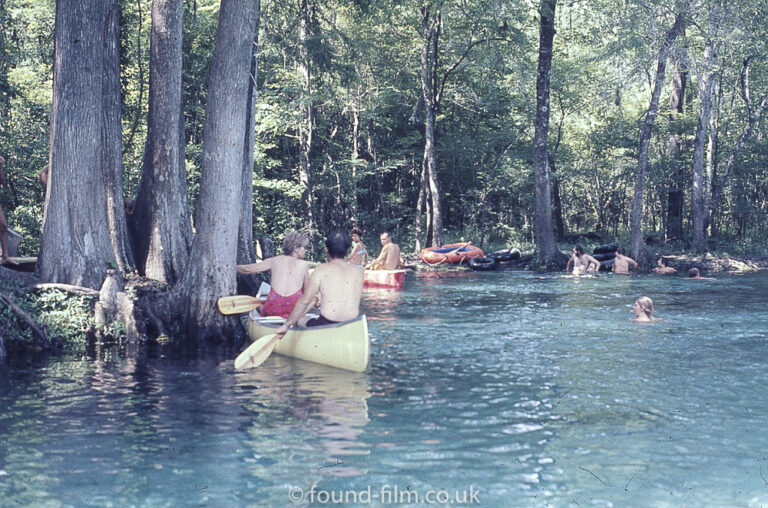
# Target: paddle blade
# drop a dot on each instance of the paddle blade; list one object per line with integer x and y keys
{"x": 238, "y": 304}
{"x": 255, "y": 354}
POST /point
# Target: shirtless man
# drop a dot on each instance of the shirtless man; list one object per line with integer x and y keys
{"x": 389, "y": 257}
{"x": 290, "y": 275}
{"x": 622, "y": 262}
{"x": 663, "y": 268}
{"x": 582, "y": 263}
{"x": 339, "y": 283}
{"x": 4, "y": 224}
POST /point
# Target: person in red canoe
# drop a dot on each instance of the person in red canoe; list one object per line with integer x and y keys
{"x": 290, "y": 275}
{"x": 389, "y": 257}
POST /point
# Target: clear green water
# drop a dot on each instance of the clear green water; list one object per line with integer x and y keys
{"x": 508, "y": 389}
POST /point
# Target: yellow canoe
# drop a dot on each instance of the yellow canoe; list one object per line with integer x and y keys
{"x": 343, "y": 345}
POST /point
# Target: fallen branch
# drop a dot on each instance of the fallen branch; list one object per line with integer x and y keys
{"x": 39, "y": 335}
{"x": 69, "y": 288}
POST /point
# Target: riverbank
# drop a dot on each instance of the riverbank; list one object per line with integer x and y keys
{"x": 709, "y": 264}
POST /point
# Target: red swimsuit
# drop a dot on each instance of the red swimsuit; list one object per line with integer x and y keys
{"x": 278, "y": 305}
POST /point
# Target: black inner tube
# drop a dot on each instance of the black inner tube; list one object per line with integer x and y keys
{"x": 482, "y": 263}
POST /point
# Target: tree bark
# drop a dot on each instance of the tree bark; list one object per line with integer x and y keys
{"x": 306, "y": 128}
{"x": 544, "y": 233}
{"x": 707, "y": 78}
{"x": 674, "y": 222}
{"x": 753, "y": 118}
{"x": 636, "y": 233}
{"x": 113, "y": 141}
{"x": 162, "y": 232}
{"x": 431, "y": 21}
{"x": 246, "y": 252}
{"x": 210, "y": 273}
{"x": 76, "y": 247}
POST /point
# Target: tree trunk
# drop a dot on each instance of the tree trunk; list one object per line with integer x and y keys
{"x": 636, "y": 233}
{"x": 113, "y": 140}
{"x": 544, "y": 233}
{"x": 210, "y": 273}
{"x": 246, "y": 252}
{"x": 674, "y": 221}
{"x": 707, "y": 78}
{"x": 431, "y": 21}
{"x": 162, "y": 232}
{"x": 306, "y": 127}
{"x": 753, "y": 118}
{"x": 75, "y": 246}
{"x": 418, "y": 230}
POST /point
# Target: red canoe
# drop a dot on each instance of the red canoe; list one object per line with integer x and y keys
{"x": 451, "y": 253}
{"x": 392, "y": 279}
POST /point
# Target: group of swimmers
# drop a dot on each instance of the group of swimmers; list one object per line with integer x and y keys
{"x": 643, "y": 307}
{"x": 585, "y": 264}
{"x": 335, "y": 287}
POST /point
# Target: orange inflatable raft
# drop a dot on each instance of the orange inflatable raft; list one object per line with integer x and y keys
{"x": 451, "y": 253}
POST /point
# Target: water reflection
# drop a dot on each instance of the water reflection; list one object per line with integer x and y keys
{"x": 535, "y": 391}
{"x": 328, "y": 407}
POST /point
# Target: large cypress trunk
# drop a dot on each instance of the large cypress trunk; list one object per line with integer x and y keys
{"x": 545, "y": 237}
{"x": 210, "y": 273}
{"x": 162, "y": 232}
{"x": 76, "y": 247}
{"x": 246, "y": 253}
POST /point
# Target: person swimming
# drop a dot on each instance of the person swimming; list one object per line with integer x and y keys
{"x": 643, "y": 310}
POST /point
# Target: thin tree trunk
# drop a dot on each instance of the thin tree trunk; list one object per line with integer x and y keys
{"x": 160, "y": 225}
{"x": 544, "y": 233}
{"x": 420, "y": 208}
{"x": 674, "y": 221}
{"x": 112, "y": 147}
{"x": 753, "y": 118}
{"x": 210, "y": 273}
{"x": 306, "y": 128}
{"x": 706, "y": 82}
{"x": 636, "y": 233}
{"x": 75, "y": 246}
{"x": 431, "y": 21}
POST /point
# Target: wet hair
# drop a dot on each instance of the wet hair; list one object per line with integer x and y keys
{"x": 356, "y": 231}
{"x": 337, "y": 244}
{"x": 293, "y": 241}
{"x": 389, "y": 235}
{"x": 646, "y": 305}
{"x": 663, "y": 261}
{"x": 693, "y": 273}
{"x": 579, "y": 250}
{"x": 621, "y": 251}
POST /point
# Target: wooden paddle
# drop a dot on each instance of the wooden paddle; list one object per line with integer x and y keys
{"x": 239, "y": 304}
{"x": 255, "y": 354}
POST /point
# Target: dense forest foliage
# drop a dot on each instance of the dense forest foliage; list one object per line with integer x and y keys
{"x": 419, "y": 117}
{"x": 365, "y": 160}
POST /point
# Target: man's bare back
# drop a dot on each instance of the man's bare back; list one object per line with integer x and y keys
{"x": 340, "y": 286}
{"x": 621, "y": 263}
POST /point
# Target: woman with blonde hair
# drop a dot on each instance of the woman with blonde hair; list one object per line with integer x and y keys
{"x": 290, "y": 275}
{"x": 643, "y": 310}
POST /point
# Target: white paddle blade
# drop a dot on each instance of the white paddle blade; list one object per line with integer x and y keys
{"x": 257, "y": 353}
{"x": 263, "y": 290}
